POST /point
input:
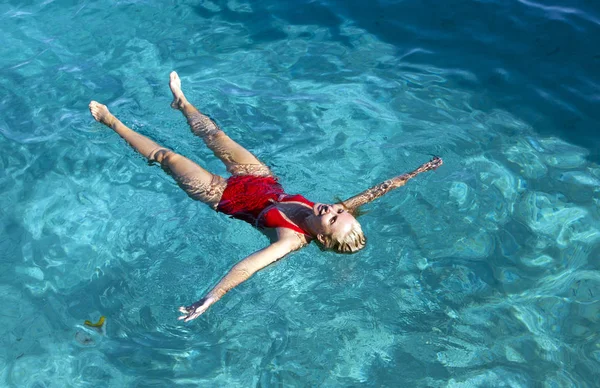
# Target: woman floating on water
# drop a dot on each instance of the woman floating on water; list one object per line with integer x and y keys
{"x": 252, "y": 194}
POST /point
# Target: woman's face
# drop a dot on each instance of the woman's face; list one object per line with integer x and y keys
{"x": 332, "y": 220}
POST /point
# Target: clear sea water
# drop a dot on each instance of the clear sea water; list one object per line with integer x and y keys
{"x": 482, "y": 274}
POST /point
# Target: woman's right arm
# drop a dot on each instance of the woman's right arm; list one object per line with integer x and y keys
{"x": 379, "y": 190}
{"x": 239, "y": 273}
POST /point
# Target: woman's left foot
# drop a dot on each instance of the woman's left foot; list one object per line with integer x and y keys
{"x": 101, "y": 113}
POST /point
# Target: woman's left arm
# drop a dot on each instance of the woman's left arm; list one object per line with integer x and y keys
{"x": 239, "y": 273}
{"x": 379, "y": 190}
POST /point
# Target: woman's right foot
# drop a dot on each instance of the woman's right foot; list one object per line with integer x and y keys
{"x": 101, "y": 113}
{"x": 179, "y": 100}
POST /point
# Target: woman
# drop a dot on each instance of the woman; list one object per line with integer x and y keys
{"x": 252, "y": 194}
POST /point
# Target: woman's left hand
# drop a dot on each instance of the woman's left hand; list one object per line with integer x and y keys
{"x": 195, "y": 310}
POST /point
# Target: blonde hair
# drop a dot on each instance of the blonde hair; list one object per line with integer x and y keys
{"x": 351, "y": 242}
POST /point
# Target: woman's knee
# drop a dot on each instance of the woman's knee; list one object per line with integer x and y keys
{"x": 162, "y": 155}
{"x": 202, "y": 125}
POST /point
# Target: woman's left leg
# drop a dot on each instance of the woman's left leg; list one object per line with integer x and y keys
{"x": 198, "y": 183}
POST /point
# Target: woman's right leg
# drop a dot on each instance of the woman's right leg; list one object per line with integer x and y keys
{"x": 198, "y": 183}
{"x": 237, "y": 159}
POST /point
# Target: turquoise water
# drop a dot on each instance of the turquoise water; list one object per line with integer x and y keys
{"x": 484, "y": 273}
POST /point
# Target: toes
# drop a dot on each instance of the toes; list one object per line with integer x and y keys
{"x": 175, "y": 83}
{"x": 94, "y": 109}
{"x": 95, "y": 106}
{"x": 101, "y": 113}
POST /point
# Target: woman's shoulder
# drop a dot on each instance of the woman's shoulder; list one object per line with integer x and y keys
{"x": 295, "y": 239}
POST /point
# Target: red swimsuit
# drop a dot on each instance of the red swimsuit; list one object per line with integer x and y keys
{"x": 251, "y": 198}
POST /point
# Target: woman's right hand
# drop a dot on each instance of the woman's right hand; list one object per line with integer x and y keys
{"x": 193, "y": 311}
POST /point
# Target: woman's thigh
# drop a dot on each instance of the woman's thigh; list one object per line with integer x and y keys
{"x": 237, "y": 159}
{"x": 198, "y": 183}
